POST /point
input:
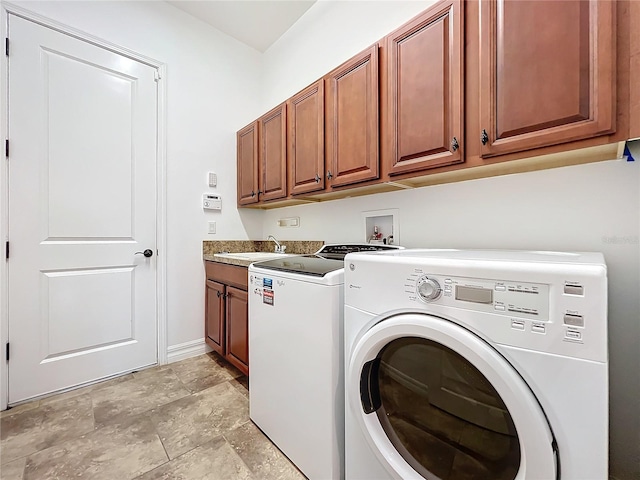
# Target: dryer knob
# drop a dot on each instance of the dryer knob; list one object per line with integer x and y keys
{"x": 428, "y": 289}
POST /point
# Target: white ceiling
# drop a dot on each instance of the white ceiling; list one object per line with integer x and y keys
{"x": 258, "y": 23}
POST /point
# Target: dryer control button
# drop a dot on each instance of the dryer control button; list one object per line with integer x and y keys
{"x": 573, "y": 320}
{"x": 574, "y": 335}
{"x": 517, "y": 324}
{"x": 573, "y": 289}
{"x": 537, "y": 328}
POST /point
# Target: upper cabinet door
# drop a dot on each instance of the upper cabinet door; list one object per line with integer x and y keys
{"x": 247, "y": 148}
{"x": 273, "y": 154}
{"x": 306, "y": 140}
{"x": 352, "y": 120}
{"x": 423, "y": 121}
{"x": 547, "y": 73}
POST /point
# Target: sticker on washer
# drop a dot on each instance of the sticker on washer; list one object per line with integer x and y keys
{"x": 267, "y": 296}
{"x": 267, "y": 282}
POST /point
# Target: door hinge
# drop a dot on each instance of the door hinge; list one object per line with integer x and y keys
{"x": 7, "y": 351}
{"x": 6, "y": 148}
{"x": 6, "y": 250}
{"x": 156, "y": 75}
{"x": 6, "y": 46}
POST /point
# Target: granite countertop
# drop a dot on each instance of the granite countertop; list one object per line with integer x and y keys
{"x": 294, "y": 247}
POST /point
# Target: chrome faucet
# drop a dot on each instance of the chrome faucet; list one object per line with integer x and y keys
{"x": 279, "y": 248}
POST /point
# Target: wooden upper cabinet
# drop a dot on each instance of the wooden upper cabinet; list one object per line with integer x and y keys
{"x": 352, "y": 153}
{"x": 306, "y": 140}
{"x": 547, "y": 73}
{"x": 247, "y": 151}
{"x": 423, "y": 120}
{"x": 273, "y": 154}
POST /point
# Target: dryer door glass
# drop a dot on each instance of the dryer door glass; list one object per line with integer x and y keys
{"x": 440, "y": 413}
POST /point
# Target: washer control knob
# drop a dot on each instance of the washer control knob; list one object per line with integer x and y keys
{"x": 428, "y": 289}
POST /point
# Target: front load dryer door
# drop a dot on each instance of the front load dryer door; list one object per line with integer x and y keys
{"x": 436, "y": 401}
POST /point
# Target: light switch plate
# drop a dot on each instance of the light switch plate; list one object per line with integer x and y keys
{"x": 212, "y": 227}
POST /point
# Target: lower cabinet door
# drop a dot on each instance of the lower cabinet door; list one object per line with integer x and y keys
{"x": 238, "y": 329}
{"x": 215, "y": 321}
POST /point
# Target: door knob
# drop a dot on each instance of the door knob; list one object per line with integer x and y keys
{"x": 147, "y": 253}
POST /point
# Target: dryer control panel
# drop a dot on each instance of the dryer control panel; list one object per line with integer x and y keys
{"x": 516, "y": 299}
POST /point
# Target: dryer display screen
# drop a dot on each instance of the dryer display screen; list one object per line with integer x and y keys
{"x": 474, "y": 294}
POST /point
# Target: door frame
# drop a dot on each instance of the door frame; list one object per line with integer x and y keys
{"x": 161, "y": 168}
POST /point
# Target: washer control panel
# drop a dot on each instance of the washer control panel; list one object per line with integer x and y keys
{"x": 516, "y": 299}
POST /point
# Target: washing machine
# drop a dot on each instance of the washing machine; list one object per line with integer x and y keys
{"x": 296, "y": 393}
{"x": 476, "y": 365}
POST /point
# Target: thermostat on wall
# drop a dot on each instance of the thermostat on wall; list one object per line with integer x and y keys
{"x": 211, "y": 202}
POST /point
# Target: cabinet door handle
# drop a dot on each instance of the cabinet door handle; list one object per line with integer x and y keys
{"x": 253, "y": 194}
{"x": 227, "y": 295}
{"x": 329, "y": 175}
{"x": 484, "y": 137}
{"x": 454, "y": 144}
{"x": 317, "y": 178}
{"x": 218, "y": 293}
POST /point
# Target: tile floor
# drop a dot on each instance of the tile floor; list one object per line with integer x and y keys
{"x": 182, "y": 421}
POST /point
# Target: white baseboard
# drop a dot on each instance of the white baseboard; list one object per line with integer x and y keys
{"x": 182, "y": 351}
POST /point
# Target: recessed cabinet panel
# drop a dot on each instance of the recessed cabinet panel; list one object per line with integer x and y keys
{"x": 306, "y": 140}
{"x": 237, "y": 328}
{"x": 247, "y": 147}
{"x": 424, "y": 118}
{"x": 214, "y": 325}
{"x": 547, "y": 73}
{"x": 273, "y": 154}
{"x": 352, "y": 120}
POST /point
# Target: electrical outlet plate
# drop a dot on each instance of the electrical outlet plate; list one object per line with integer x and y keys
{"x": 289, "y": 222}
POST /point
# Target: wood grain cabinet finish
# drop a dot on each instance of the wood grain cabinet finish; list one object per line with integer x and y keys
{"x": 215, "y": 318}
{"x": 238, "y": 329}
{"x": 423, "y": 121}
{"x": 305, "y": 131}
{"x": 247, "y": 169}
{"x": 227, "y": 313}
{"x": 352, "y": 152}
{"x": 547, "y": 73}
{"x": 273, "y": 154}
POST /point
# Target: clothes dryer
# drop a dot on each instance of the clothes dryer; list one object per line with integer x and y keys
{"x": 476, "y": 364}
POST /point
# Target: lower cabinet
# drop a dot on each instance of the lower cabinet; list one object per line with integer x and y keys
{"x": 227, "y": 313}
{"x": 237, "y": 318}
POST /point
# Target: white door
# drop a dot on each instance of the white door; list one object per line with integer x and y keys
{"x": 82, "y": 201}
{"x": 433, "y": 400}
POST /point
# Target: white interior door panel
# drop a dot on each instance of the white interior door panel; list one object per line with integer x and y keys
{"x": 82, "y": 202}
